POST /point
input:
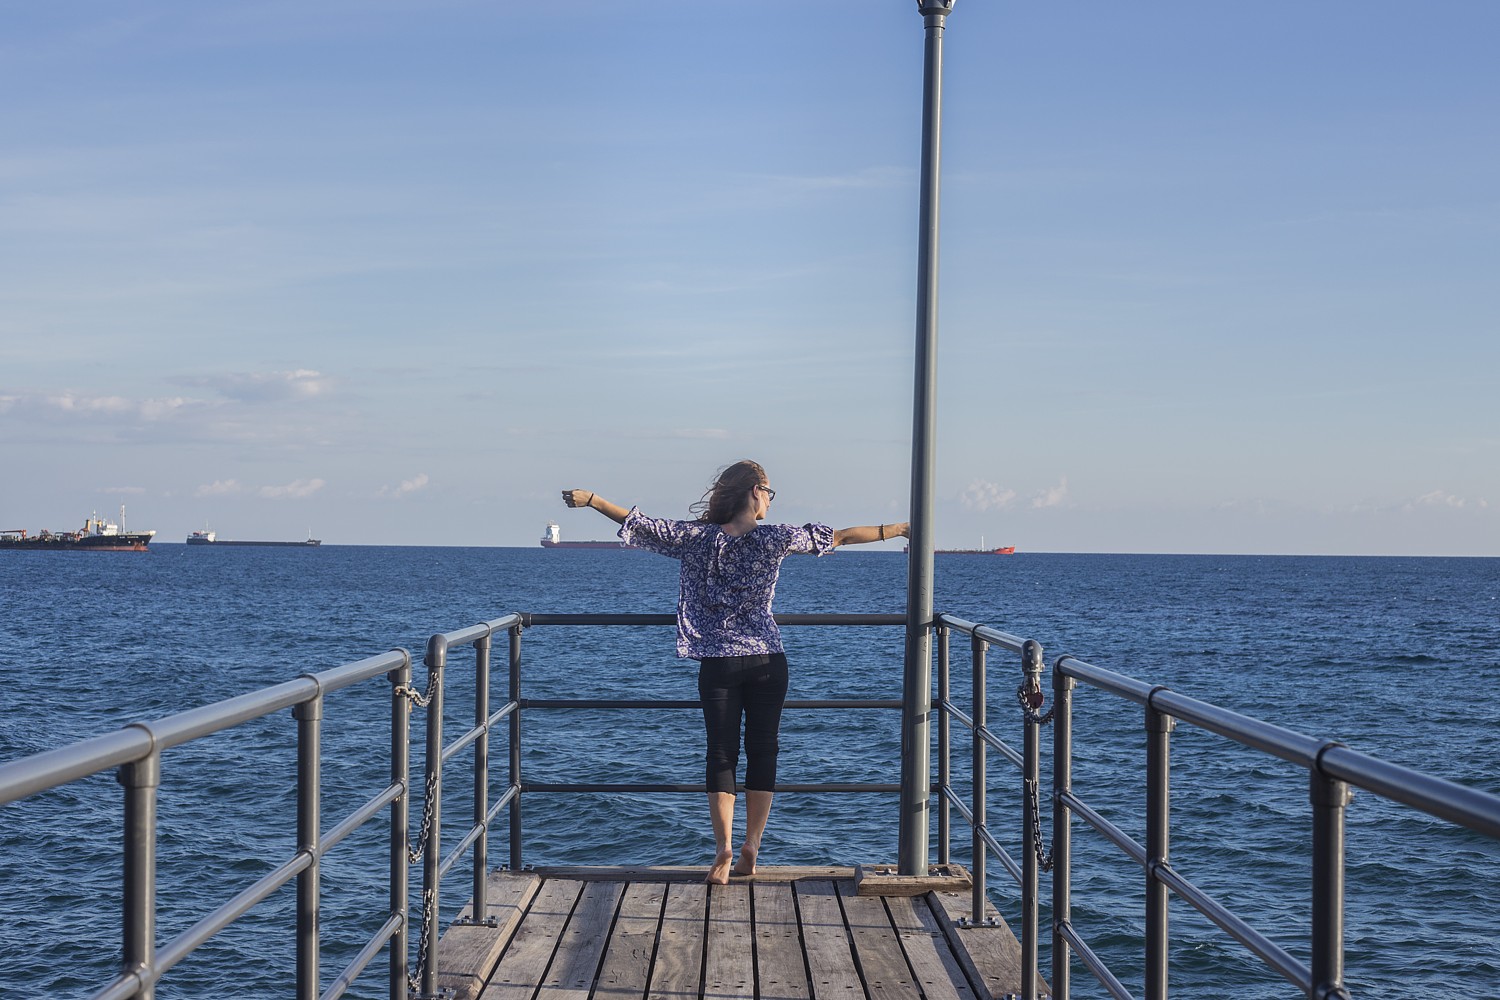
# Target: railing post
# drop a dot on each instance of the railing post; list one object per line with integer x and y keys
{"x": 141, "y": 780}
{"x": 1330, "y": 798}
{"x": 1159, "y": 728}
{"x": 515, "y": 747}
{"x": 945, "y": 749}
{"x": 1031, "y": 667}
{"x": 309, "y": 716}
{"x": 1062, "y": 833}
{"x": 400, "y": 679}
{"x": 432, "y": 807}
{"x": 977, "y": 647}
{"x": 480, "y": 913}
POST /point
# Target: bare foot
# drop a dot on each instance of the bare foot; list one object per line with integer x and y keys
{"x": 746, "y": 865}
{"x": 719, "y": 873}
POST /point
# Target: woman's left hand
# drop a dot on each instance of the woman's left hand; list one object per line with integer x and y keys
{"x": 577, "y": 498}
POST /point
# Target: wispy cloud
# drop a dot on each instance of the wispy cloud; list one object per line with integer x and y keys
{"x": 1442, "y": 498}
{"x": 263, "y": 387}
{"x": 127, "y": 491}
{"x": 67, "y": 403}
{"x": 406, "y": 488}
{"x": 219, "y": 488}
{"x": 981, "y": 495}
{"x": 295, "y": 490}
{"x": 1054, "y": 496}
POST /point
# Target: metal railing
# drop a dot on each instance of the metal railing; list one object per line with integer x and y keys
{"x": 1332, "y": 768}
{"x": 136, "y": 751}
{"x": 475, "y": 838}
{"x": 1025, "y": 873}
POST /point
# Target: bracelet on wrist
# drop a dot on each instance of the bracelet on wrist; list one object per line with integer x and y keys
{"x": 882, "y": 532}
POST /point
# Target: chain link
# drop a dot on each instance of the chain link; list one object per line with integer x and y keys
{"x": 1030, "y": 714}
{"x": 1043, "y": 855}
{"x": 429, "y": 908}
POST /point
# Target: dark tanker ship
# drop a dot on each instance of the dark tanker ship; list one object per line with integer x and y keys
{"x": 96, "y": 535}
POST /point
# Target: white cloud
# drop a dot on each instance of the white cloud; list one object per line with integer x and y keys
{"x": 1055, "y": 496}
{"x": 407, "y": 487}
{"x": 295, "y": 489}
{"x": 980, "y": 495}
{"x": 263, "y": 387}
{"x": 218, "y": 488}
{"x": 1442, "y": 498}
{"x": 85, "y": 406}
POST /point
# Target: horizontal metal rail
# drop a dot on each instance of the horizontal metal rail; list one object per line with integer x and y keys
{"x": 683, "y": 703}
{"x": 984, "y": 733}
{"x": 50, "y": 769}
{"x": 1470, "y": 807}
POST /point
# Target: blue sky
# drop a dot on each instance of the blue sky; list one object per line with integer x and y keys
{"x": 1216, "y": 278}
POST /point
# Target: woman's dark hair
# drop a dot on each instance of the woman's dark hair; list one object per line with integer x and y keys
{"x": 730, "y": 492}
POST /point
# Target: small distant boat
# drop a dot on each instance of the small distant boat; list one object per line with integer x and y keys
{"x": 1004, "y": 550}
{"x": 207, "y": 537}
{"x": 552, "y": 539}
{"x": 96, "y": 535}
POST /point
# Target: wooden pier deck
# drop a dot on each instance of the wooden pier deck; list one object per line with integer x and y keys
{"x": 661, "y": 934}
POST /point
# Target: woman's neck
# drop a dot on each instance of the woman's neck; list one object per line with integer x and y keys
{"x": 741, "y": 524}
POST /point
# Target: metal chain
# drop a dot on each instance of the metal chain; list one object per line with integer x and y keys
{"x": 1030, "y": 714}
{"x": 1043, "y": 855}
{"x": 429, "y": 908}
{"x": 415, "y": 850}
{"x": 418, "y": 699}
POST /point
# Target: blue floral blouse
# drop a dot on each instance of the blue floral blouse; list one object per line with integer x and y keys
{"x": 727, "y": 581}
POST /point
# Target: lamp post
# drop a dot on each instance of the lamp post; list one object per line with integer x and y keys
{"x": 916, "y": 696}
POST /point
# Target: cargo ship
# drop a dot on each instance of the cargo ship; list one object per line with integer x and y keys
{"x": 552, "y": 539}
{"x": 206, "y": 537}
{"x": 96, "y": 535}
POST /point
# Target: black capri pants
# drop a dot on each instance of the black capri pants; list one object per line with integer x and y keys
{"x": 752, "y": 687}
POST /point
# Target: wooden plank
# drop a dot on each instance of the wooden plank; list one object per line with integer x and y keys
{"x": 576, "y": 961}
{"x": 991, "y": 956}
{"x": 876, "y": 947}
{"x": 519, "y": 974}
{"x": 678, "y": 969}
{"x": 729, "y": 963}
{"x": 467, "y": 952}
{"x": 882, "y": 880}
{"x": 939, "y": 973}
{"x": 690, "y": 873}
{"x": 780, "y": 970}
{"x": 830, "y": 962}
{"x": 626, "y": 969}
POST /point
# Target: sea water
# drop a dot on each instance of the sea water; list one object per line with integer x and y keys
{"x": 1398, "y": 657}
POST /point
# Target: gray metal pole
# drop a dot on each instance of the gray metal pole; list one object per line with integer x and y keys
{"x": 141, "y": 781}
{"x": 309, "y": 716}
{"x": 916, "y": 780}
{"x": 400, "y": 824}
{"x": 1158, "y": 839}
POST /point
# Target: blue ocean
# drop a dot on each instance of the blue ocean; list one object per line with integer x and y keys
{"x": 1398, "y": 657}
